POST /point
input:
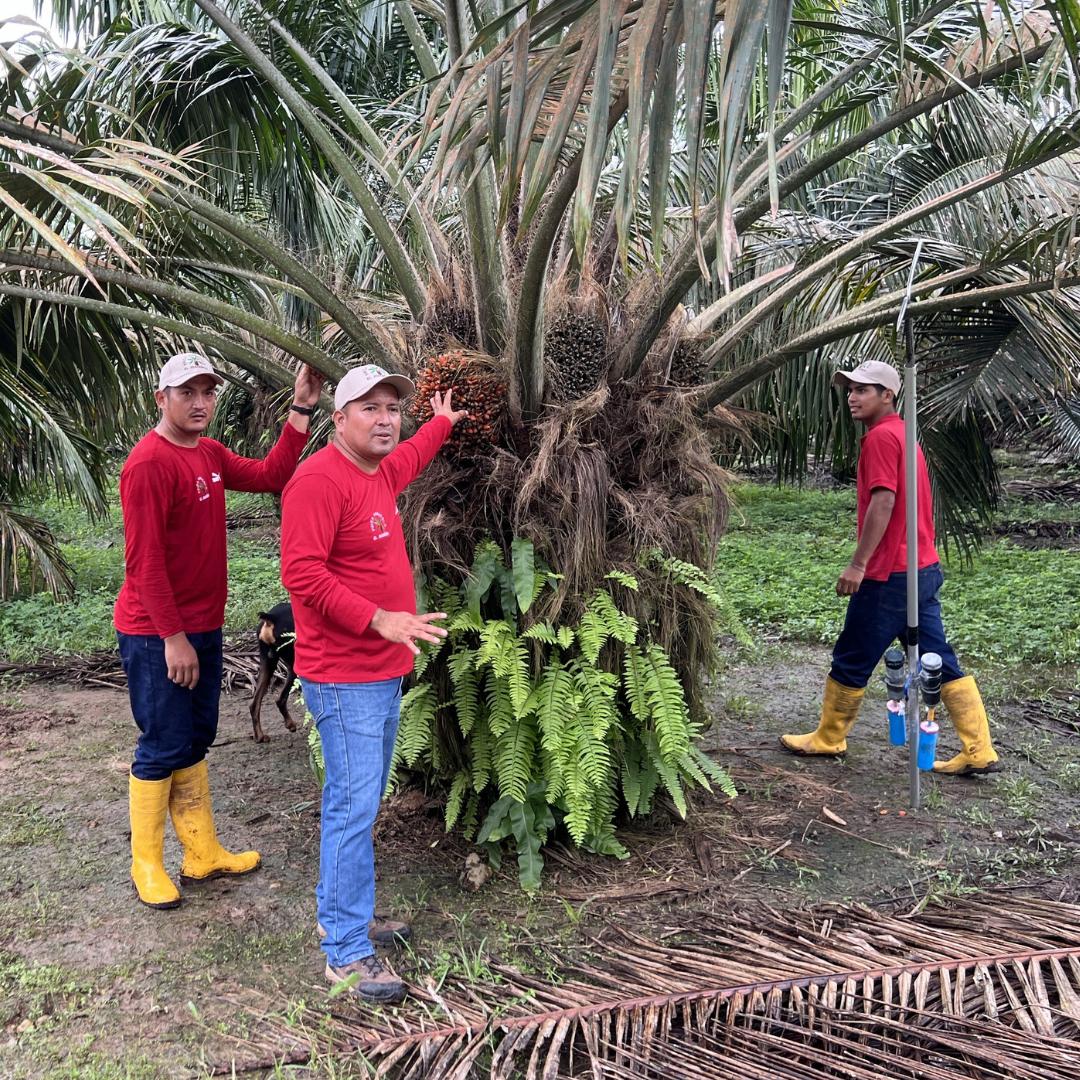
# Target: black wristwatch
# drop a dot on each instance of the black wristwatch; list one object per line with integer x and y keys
{"x": 303, "y": 410}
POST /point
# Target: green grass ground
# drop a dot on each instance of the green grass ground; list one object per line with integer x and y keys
{"x": 1009, "y": 605}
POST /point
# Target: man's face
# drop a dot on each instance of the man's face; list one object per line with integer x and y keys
{"x": 189, "y": 408}
{"x": 370, "y": 426}
{"x": 867, "y": 403}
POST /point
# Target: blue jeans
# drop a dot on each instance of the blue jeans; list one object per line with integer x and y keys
{"x": 877, "y": 616}
{"x": 176, "y": 725}
{"x": 357, "y": 723}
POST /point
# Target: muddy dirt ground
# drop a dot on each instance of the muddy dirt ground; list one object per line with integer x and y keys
{"x": 94, "y": 985}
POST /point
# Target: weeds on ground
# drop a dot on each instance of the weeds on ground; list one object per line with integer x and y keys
{"x": 779, "y": 562}
{"x": 31, "y": 625}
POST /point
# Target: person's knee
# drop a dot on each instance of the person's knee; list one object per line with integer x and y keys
{"x": 161, "y": 759}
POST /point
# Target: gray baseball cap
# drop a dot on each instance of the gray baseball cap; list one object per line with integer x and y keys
{"x": 185, "y": 366}
{"x": 870, "y": 372}
{"x": 357, "y": 381}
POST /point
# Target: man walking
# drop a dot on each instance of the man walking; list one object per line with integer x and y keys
{"x": 876, "y": 581}
{"x": 171, "y": 608}
{"x": 344, "y": 562}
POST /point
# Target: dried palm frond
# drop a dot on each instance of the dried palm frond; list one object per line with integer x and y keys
{"x": 103, "y": 668}
{"x": 984, "y": 988}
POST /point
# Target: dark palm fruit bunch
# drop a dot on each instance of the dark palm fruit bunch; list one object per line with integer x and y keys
{"x": 687, "y": 368}
{"x": 475, "y": 387}
{"x": 576, "y": 348}
{"x": 447, "y": 323}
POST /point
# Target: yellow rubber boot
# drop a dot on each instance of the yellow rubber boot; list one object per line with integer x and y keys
{"x": 839, "y": 709}
{"x": 193, "y": 819}
{"x": 964, "y": 702}
{"x": 148, "y": 806}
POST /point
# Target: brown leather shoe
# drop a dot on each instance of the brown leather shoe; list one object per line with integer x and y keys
{"x": 369, "y": 980}
{"x": 381, "y": 931}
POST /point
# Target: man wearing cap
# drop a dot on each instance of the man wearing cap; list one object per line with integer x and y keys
{"x": 876, "y": 582}
{"x": 344, "y": 562}
{"x": 170, "y": 610}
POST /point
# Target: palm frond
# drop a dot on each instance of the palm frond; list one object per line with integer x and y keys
{"x": 981, "y": 988}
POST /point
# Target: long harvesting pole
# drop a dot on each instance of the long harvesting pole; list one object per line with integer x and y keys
{"x": 911, "y": 508}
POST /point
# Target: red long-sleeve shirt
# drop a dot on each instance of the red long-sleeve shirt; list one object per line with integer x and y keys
{"x": 343, "y": 556}
{"x": 173, "y": 499}
{"x": 881, "y": 465}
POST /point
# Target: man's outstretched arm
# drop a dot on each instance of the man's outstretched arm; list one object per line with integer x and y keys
{"x": 272, "y": 472}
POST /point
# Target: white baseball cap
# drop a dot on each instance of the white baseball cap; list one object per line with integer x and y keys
{"x": 357, "y": 381}
{"x": 185, "y": 366}
{"x": 871, "y": 372}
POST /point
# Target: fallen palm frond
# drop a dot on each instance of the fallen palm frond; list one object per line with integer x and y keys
{"x": 984, "y": 988}
{"x": 103, "y": 668}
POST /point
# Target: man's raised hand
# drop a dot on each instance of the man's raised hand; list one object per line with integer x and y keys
{"x": 441, "y": 406}
{"x": 309, "y": 383}
{"x": 406, "y": 629}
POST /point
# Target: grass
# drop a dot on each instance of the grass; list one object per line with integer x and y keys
{"x": 780, "y": 560}
{"x": 37, "y": 624}
{"x": 778, "y": 566}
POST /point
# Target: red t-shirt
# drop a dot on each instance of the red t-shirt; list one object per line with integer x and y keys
{"x": 343, "y": 556}
{"x": 173, "y": 499}
{"x": 881, "y": 465}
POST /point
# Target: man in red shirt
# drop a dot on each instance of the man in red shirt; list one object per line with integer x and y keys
{"x": 344, "y": 562}
{"x": 170, "y": 610}
{"x": 876, "y": 581}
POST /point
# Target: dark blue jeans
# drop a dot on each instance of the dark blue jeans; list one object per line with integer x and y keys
{"x": 877, "y": 616}
{"x": 176, "y": 725}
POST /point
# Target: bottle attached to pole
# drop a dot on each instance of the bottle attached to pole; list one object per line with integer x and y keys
{"x": 894, "y": 687}
{"x": 930, "y": 677}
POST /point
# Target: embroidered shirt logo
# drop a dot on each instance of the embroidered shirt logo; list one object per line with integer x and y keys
{"x": 215, "y": 478}
{"x": 201, "y": 489}
{"x": 379, "y": 530}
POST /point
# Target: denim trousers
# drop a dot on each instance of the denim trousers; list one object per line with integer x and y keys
{"x": 357, "y": 724}
{"x": 877, "y": 616}
{"x": 176, "y": 725}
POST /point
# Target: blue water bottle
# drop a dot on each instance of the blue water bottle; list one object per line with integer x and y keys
{"x": 895, "y": 706}
{"x": 928, "y": 732}
{"x": 897, "y": 723}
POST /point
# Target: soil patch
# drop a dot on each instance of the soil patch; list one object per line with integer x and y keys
{"x": 91, "y": 981}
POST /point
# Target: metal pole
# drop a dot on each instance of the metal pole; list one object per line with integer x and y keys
{"x": 912, "y": 511}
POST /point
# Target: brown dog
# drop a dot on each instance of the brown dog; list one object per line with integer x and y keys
{"x": 277, "y": 632}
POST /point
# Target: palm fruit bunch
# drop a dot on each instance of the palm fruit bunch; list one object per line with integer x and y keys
{"x": 687, "y": 368}
{"x": 449, "y": 324}
{"x": 477, "y": 387}
{"x": 576, "y": 349}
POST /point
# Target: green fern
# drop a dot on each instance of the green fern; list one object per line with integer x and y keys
{"x": 634, "y": 679}
{"x": 669, "y": 775}
{"x": 415, "y": 726}
{"x": 466, "y": 687}
{"x": 667, "y": 705}
{"x": 552, "y": 702}
{"x": 627, "y": 581}
{"x": 513, "y": 757}
{"x": 716, "y": 773}
{"x": 500, "y": 705}
{"x": 455, "y": 799}
{"x": 481, "y": 743}
{"x": 584, "y": 717}
{"x": 617, "y": 623}
{"x": 592, "y": 633}
{"x": 541, "y": 631}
